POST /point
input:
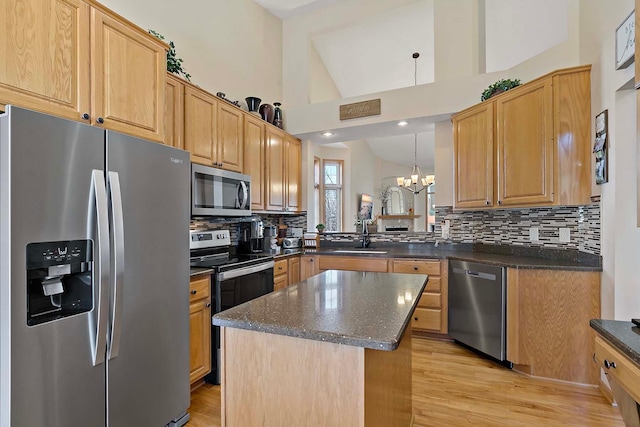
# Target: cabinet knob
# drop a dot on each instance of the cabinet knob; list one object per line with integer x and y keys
{"x": 415, "y": 268}
{"x": 608, "y": 364}
{"x": 499, "y": 202}
{"x": 208, "y": 305}
{"x": 86, "y": 116}
{"x": 488, "y": 202}
{"x": 193, "y": 292}
{"x": 100, "y": 120}
{"x": 415, "y": 318}
{"x": 311, "y": 260}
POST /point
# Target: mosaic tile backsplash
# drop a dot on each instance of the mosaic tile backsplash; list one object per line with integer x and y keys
{"x": 506, "y": 227}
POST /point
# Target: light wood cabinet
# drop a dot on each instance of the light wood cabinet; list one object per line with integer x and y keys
{"x": 539, "y": 137}
{"x": 548, "y": 314}
{"x": 294, "y": 270}
{"x": 230, "y": 138}
{"x": 309, "y": 266}
{"x": 280, "y": 274}
{"x": 200, "y": 327}
{"x": 174, "y": 112}
{"x": 200, "y": 125}
{"x": 431, "y": 313}
{"x": 293, "y": 173}
{"x": 355, "y": 263}
{"x": 82, "y": 62}
{"x": 473, "y": 154}
{"x": 274, "y": 169}
{"x": 254, "y": 159}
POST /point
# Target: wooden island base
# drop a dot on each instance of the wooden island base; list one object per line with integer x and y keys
{"x": 277, "y": 380}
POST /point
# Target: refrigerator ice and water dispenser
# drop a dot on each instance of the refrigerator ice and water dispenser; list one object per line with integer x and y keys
{"x": 59, "y": 280}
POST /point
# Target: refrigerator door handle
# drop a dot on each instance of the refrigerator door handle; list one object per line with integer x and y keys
{"x": 98, "y": 210}
{"x": 117, "y": 226}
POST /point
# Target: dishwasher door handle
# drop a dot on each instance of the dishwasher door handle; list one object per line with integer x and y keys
{"x": 478, "y": 274}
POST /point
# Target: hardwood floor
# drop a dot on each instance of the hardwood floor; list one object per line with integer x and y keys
{"x": 453, "y": 386}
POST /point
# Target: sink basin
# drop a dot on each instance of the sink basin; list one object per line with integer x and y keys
{"x": 356, "y": 251}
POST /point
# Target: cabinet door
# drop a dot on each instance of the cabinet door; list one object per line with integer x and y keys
{"x": 200, "y": 119}
{"x": 44, "y": 56}
{"x": 230, "y": 138}
{"x": 308, "y": 267}
{"x": 293, "y": 173}
{"x": 200, "y": 339}
{"x": 128, "y": 78}
{"x": 174, "y": 113}
{"x": 473, "y": 154}
{"x": 254, "y": 158}
{"x": 524, "y": 137}
{"x": 274, "y": 171}
{"x": 294, "y": 270}
{"x": 280, "y": 282}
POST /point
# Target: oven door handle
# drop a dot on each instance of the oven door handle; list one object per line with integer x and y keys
{"x": 231, "y": 274}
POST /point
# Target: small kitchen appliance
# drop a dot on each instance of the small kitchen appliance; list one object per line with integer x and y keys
{"x": 250, "y": 235}
{"x": 291, "y": 242}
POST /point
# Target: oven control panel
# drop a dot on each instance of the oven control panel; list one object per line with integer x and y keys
{"x": 202, "y": 239}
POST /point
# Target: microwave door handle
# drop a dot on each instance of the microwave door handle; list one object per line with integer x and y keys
{"x": 100, "y": 230}
{"x": 243, "y": 195}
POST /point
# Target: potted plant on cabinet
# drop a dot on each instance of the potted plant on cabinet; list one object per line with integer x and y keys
{"x": 320, "y": 228}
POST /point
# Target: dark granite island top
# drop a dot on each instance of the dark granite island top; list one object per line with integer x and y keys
{"x": 363, "y": 309}
{"x": 624, "y": 336}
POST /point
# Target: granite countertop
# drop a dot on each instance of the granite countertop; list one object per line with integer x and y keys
{"x": 519, "y": 259}
{"x": 196, "y": 271}
{"x": 624, "y": 336}
{"x": 362, "y": 309}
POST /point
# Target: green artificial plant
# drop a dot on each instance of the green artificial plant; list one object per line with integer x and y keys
{"x": 174, "y": 64}
{"x": 499, "y": 87}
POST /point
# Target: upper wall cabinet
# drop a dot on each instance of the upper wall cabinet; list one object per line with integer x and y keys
{"x": 174, "y": 112}
{"x": 274, "y": 172}
{"x": 70, "y": 59}
{"x": 293, "y": 173}
{"x": 254, "y": 158}
{"x": 230, "y": 137}
{"x": 527, "y": 147}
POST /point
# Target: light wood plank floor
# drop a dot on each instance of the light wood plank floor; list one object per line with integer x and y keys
{"x": 452, "y": 386}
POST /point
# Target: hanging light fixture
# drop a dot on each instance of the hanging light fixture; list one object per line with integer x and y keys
{"x": 416, "y": 181}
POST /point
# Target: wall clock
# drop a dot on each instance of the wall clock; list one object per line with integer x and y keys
{"x": 625, "y": 42}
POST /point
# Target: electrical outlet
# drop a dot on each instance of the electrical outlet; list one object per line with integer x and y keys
{"x": 565, "y": 235}
{"x": 533, "y": 234}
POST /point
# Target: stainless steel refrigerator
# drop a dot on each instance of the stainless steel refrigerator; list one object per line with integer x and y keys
{"x": 94, "y": 276}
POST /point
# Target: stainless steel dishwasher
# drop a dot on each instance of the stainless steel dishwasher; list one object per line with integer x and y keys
{"x": 477, "y": 307}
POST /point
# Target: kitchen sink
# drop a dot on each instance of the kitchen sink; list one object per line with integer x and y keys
{"x": 357, "y": 251}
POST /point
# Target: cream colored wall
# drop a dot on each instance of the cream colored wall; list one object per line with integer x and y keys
{"x": 321, "y": 86}
{"x": 234, "y": 47}
{"x": 363, "y": 179}
{"x": 620, "y": 297}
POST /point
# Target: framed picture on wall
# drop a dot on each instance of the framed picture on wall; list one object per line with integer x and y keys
{"x": 600, "y": 148}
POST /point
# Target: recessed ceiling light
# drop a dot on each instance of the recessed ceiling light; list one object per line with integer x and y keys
{"x": 403, "y": 123}
{"x": 327, "y": 134}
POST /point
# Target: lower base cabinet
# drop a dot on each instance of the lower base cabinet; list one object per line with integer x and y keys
{"x": 280, "y": 274}
{"x": 431, "y": 313}
{"x": 200, "y": 327}
{"x": 309, "y": 266}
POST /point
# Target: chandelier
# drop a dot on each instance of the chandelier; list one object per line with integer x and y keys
{"x": 416, "y": 181}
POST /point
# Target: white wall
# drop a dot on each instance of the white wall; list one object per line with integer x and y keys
{"x": 233, "y": 47}
{"x": 620, "y": 297}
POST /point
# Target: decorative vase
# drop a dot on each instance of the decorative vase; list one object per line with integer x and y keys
{"x": 266, "y": 112}
{"x": 277, "y": 115}
{"x": 253, "y": 103}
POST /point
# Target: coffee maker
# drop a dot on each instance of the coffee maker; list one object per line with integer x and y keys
{"x": 250, "y": 234}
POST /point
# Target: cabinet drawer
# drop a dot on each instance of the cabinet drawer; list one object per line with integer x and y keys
{"x": 353, "y": 263}
{"x": 417, "y": 266}
{"x": 280, "y": 267}
{"x": 430, "y": 300}
{"x": 200, "y": 287}
{"x": 426, "y": 318}
{"x": 433, "y": 285}
{"x": 625, "y": 372}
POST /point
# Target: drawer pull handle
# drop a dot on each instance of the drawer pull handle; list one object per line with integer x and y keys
{"x": 415, "y": 318}
{"x": 208, "y": 305}
{"x": 193, "y": 292}
{"x": 415, "y": 268}
{"x": 608, "y": 364}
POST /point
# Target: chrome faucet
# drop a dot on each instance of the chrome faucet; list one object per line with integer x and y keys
{"x": 365, "y": 234}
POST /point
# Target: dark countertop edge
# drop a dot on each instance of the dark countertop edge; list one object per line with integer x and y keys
{"x": 194, "y": 271}
{"x": 324, "y": 336}
{"x": 614, "y": 340}
{"x": 520, "y": 264}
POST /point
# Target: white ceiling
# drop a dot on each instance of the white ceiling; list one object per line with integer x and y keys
{"x": 288, "y": 8}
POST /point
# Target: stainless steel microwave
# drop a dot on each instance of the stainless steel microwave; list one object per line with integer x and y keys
{"x": 217, "y": 192}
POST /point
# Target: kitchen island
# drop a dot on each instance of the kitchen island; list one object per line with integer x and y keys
{"x": 334, "y": 349}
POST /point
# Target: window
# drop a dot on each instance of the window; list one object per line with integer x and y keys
{"x": 316, "y": 193}
{"x": 332, "y": 194}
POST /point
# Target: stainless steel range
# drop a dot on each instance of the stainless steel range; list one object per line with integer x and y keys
{"x": 236, "y": 278}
